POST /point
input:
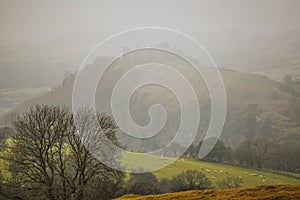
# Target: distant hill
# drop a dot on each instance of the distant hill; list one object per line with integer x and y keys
{"x": 252, "y": 193}
{"x": 253, "y": 101}
{"x": 279, "y": 73}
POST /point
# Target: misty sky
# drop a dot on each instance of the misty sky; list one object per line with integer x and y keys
{"x": 39, "y": 21}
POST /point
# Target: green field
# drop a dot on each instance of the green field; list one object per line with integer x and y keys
{"x": 214, "y": 171}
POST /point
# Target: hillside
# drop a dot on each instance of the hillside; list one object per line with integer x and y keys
{"x": 259, "y": 192}
{"x": 214, "y": 171}
{"x": 249, "y": 97}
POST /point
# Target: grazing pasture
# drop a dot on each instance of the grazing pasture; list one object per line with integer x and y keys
{"x": 214, "y": 171}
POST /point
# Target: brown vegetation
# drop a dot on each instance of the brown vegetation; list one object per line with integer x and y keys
{"x": 259, "y": 192}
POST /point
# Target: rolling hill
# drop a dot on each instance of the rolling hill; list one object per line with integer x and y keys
{"x": 248, "y": 96}
{"x": 214, "y": 171}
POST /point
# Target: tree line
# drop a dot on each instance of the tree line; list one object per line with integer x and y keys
{"x": 260, "y": 153}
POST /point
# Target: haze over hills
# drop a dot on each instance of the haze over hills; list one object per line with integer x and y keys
{"x": 40, "y": 65}
{"x": 51, "y": 64}
{"x": 254, "y": 102}
{"x": 158, "y": 128}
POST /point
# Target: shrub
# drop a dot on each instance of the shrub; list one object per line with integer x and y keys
{"x": 188, "y": 180}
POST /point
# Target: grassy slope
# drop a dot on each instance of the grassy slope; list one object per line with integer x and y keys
{"x": 260, "y": 192}
{"x": 272, "y": 177}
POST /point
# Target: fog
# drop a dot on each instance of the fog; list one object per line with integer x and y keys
{"x": 204, "y": 94}
{"x": 41, "y": 42}
{"x": 40, "y": 21}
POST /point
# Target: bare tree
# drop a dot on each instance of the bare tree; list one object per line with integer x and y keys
{"x": 52, "y": 157}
